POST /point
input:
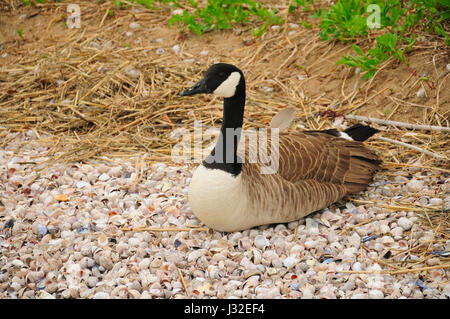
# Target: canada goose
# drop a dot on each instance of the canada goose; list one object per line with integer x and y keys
{"x": 315, "y": 168}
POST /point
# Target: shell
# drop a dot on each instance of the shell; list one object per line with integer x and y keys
{"x": 78, "y": 248}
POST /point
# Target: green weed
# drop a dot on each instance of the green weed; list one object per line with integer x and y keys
{"x": 347, "y": 20}
{"x": 28, "y": 2}
{"x": 386, "y": 47}
{"x": 304, "y": 4}
{"x": 222, "y": 14}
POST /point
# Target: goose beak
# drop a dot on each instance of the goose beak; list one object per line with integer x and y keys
{"x": 199, "y": 87}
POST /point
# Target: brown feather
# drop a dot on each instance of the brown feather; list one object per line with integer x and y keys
{"x": 315, "y": 170}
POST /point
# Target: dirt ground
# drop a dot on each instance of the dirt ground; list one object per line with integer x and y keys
{"x": 44, "y": 31}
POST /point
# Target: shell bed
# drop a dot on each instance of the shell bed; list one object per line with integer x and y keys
{"x": 63, "y": 235}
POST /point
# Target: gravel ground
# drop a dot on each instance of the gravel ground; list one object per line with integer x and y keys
{"x": 61, "y": 237}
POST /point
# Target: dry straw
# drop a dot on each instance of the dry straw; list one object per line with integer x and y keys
{"x": 92, "y": 95}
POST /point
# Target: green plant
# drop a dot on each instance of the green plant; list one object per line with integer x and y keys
{"x": 28, "y": 2}
{"x": 434, "y": 13}
{"x": 218, "y": 14}
{"x": 118, "y": 3}
{"x": 221, "y": 14}
{"x": 304, "y": 4}
{"x": 19, "y": 32}
{"x": 386, "y": 46}
{"x": 347, "y": 20}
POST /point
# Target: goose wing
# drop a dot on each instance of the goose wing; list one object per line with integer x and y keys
{"x": 314, "y": 170}
{"x": 317, "y": 157}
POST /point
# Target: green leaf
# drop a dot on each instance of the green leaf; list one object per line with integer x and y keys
{"x": 261, "y": 30}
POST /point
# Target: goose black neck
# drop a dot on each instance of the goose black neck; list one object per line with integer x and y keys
{"x": 224, "y": 155}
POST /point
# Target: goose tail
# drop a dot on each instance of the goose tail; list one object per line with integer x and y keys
{"x": 359, "y": 132}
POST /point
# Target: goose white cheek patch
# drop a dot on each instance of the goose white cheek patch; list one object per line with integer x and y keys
{"x": 228, "y": 87}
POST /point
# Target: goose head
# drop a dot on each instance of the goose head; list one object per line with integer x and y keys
{"x": 222, "y": 79}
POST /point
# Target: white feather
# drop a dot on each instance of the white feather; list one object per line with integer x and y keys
{"x": 217, "y": 199}
{"x": 283, "y": 119}
{"x": 228, "y": 87}
{"x": 346, "y": 136}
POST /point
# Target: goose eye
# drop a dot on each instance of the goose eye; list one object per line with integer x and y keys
{"x": 222, "y": 74}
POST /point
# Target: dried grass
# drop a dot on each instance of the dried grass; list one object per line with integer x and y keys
{"x": 80, "y": 99}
